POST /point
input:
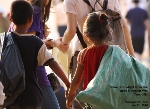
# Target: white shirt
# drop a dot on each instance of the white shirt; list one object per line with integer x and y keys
{"x": 81, "y": 9}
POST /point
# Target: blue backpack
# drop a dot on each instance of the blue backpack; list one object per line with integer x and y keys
{"x": 12, "y": 73}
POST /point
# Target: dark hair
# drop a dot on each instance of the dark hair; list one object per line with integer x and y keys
{"x": 45, "y": 10}
{"x": 95, "y": 26}
{"x": 135, "y": 1}
{"x": 20, "y": 12}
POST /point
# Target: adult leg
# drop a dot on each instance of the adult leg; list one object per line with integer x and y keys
{"x": 138, "y": 45}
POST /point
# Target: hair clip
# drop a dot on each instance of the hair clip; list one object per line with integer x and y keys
{"x": 102, "y": 20}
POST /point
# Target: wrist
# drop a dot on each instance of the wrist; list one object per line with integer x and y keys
{"x": 64, "y": 43}
{"x": 53, "y": 43}
{"x": 71, "y": 96}
{"x": 68, "y": 85}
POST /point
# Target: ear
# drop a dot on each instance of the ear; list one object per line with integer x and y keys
{"x": 11, "y": 20}
{"x": 30, "y": 20}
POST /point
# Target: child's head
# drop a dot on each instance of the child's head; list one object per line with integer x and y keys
{"x": 20, "y": 12}
{"x": 135, "y": 1}
{"x": 96, "y": 26}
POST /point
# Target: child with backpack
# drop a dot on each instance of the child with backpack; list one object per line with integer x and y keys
{"x": 34, "y": 53}
{"x": 104, "y": 66}
{"x": 95, "y": 31}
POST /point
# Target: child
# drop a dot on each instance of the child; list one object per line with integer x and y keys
{"x": 95, "y": 30}
{"x": 41, "y": 15}
{"x": 33, "y": 53}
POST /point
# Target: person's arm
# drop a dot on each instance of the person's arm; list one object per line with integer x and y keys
{"x": 147, "y": 24}
{"x": 63, "y": 43}
{"x": 71, "y": 28}
{"x": 59, "y": 72}
{"x": 74, "y": 85}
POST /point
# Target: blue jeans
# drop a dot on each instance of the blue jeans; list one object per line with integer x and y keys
{"x": 49, "y": 98}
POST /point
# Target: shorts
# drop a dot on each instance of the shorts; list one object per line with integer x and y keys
{"x": 138, "y": 44}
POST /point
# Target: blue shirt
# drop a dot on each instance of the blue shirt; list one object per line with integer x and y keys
{"x": 136, "y": 17}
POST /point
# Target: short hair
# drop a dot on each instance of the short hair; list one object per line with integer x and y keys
{"x": 135, "y": 1}
{"x": 20, "y": 12}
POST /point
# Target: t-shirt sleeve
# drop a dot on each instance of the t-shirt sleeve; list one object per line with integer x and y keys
{"x": 36, "y": 24}
{"x": 44, "y": 56}
{"x": 69, "y": 6}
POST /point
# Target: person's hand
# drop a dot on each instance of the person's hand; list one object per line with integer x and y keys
{"x": 69, "y": 101}
{"x": 46, "y": 31}
{"x": 48, "y": 43}
{"x": 62, "y": 47}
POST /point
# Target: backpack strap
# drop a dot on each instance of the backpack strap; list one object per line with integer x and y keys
{"x": 105, "y": 4}
{"x": 88, "y": 3}
{"x": 104, "y": 7}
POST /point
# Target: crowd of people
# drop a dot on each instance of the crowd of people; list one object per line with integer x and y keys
{"x": 31, "y": 34}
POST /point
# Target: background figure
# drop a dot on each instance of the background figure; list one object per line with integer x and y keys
{"x": 138, "y": 19}
{"x": 4, "y": 24}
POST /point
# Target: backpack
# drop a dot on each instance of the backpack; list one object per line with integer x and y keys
{"x": 12, "y": 73}
{"x": 121, "y": 82}
{"x": 115, "y": 24}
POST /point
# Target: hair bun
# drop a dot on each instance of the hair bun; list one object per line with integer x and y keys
{"x": 103, "y": 19}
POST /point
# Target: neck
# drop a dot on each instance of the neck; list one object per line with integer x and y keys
{"x": 136, "y": 5}
{"x": 99, "y": 43}
{"x": 20, "y": 30}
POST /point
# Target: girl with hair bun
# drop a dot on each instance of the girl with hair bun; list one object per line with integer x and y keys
{"x": 95, "y": 31}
